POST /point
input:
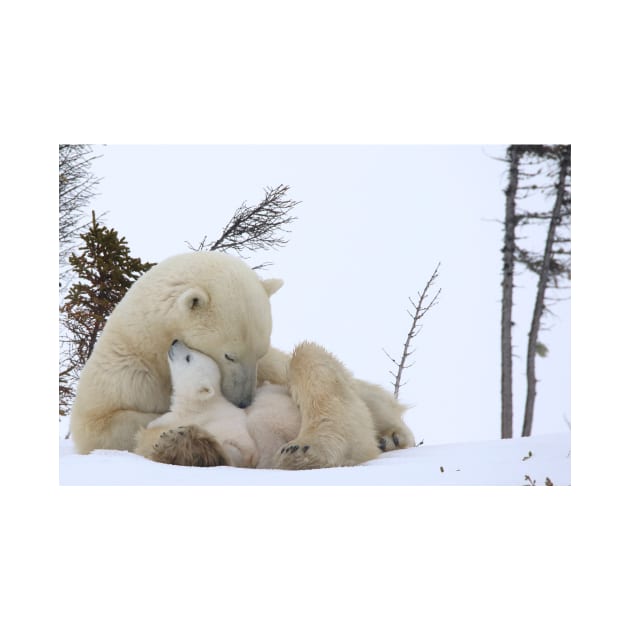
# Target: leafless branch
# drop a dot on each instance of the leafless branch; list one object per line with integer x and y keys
{"x": 259, "y": 227}
{"x": 77, "y": 186}
{"x": 418, "y": 313}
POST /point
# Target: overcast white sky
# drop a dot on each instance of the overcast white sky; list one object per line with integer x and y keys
{"x": 372, "y": 224}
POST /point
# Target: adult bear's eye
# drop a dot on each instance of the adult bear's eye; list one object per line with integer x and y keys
{"x": 187, "y": 358}
{"x": 229, "y": 358}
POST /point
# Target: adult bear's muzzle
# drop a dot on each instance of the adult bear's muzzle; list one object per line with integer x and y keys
{"x": 238, "y": 383}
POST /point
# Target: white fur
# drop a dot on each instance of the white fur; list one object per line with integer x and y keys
{"x": 249, "y": 437}
{"x": 211, "y": 301}
{"x": 215, "y": 304}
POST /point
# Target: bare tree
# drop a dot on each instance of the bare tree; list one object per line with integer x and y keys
{"x": 507, "y": 284}
{"x": 76, "y": 189}
{"x": 419, "y": 310}
{"x": 259, "y": 227}
{"x": 549, "y": 269}
{"x": 531, "y": 168}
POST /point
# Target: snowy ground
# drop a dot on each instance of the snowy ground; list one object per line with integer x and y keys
{"x": 520, "y": 461}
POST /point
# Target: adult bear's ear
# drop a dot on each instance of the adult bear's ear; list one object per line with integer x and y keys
{"x": 193, "y": 298}
{"x": 272, "y": 285}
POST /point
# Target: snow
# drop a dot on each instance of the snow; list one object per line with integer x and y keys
{"x": 493, "y": 462}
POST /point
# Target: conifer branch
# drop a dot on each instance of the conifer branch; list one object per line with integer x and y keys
{"x": 105, "y": 270}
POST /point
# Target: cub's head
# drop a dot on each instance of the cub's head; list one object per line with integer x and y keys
{"x": 195, "y": 376}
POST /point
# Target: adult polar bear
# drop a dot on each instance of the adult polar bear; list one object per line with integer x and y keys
{"x": 217, "y": 305}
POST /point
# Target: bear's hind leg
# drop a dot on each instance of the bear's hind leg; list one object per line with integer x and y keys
{"x": 387, "y": 413}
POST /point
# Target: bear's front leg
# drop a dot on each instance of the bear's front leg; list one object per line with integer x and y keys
{"x": 337, "y": 428}
{"x": 188, "y": 446}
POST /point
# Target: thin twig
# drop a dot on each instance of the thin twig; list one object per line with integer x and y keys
{"x": 416, "y": 316}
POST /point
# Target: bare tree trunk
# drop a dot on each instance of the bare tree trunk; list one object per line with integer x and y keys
{"x": 540, "y": 298}
{"x": 508, "y": 286}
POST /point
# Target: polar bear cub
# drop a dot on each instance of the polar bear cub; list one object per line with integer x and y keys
{"x": 203, "y": 428}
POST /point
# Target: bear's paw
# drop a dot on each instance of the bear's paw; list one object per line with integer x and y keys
{"x": 188, "y": 446}
{"x": 394, "y": 440}
{"x": 298, "y": 456}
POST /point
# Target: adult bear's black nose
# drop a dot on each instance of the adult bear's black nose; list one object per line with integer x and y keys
{"x": 174, "y": 342}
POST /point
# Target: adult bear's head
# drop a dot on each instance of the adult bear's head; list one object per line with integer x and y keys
{"x": 217, "y": 305}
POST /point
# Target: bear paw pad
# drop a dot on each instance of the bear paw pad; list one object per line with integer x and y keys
{"x": 298, "y": 456}
{"x": 394, "y": 440}
{"x": 188, "y": 446}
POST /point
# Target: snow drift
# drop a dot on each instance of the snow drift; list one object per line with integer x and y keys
{"x": 538, "y": 460}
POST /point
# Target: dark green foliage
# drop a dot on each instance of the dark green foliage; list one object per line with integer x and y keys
{"x": 541, "y": 349}
{"x": 105, "y": 270}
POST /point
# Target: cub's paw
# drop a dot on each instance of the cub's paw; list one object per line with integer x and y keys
{"x": 299, "y": 456}
{"x": 188, "y": 446}
{"x": 395, "y": 440}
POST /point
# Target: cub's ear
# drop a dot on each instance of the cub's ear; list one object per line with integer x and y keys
{"x": 193, "y": 298}
{"x": 207, "y": 391}
{"x": 272, "y": 285}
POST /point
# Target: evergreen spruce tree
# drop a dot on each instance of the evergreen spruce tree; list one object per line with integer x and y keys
{"x": 105, "y": 271}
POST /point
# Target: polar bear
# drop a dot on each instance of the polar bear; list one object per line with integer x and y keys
{"x": 215, "y": 304}
{"x": 204, "y": 429}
